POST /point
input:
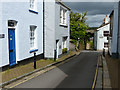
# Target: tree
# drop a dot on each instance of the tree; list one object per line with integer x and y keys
{"x": 78, "y": 26}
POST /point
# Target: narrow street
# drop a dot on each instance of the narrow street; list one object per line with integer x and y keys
{"x": 77, "y": 73}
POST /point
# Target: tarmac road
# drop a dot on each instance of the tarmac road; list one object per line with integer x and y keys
{"x": 79, "y": 72}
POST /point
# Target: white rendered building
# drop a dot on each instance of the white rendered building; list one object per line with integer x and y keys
{"x": 101, "y": 35}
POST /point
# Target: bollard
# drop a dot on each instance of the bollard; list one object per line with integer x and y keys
{"x": 103, "y": 52}
{"x": 34, "y": 60}
{"x": 54, "y": 55}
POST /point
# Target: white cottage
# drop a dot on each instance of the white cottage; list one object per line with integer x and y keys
{"x": 56, "y": 28}
{"x": 21, "y": 30}
{"x": 101, "y": 35}
{"x": 114, "y": 38}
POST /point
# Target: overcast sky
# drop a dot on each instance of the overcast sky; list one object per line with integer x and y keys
{"x": 96, "y": 10}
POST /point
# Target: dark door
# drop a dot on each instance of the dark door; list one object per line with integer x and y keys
{"x": 12, "y": 50}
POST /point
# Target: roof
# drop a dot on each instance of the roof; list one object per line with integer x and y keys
{"x": 60, "y": 1}
{"x": 103, "y": 25}
{"x": 111, "y": 13}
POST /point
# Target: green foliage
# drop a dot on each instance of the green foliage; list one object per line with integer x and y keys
{"x": 74, "y": 42}
{"x": 92, "y": 28}
{"x": 78, "y": 26}
{"x": 64, "y": 50}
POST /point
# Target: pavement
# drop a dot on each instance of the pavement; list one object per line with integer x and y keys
{"x": 83, "y": 67}
{"x": 114, "y": 71}
{"x": 103, "y": 78}
{"x": 77, "y": 72}
{"x": 13, "y": 74}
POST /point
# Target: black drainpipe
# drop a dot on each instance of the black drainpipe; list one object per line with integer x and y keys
{"x": 43, "y": 29}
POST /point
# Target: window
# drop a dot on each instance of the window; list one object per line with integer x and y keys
{"x": 63, "y": 16}
{"x": 32, "y": 36}
{"x": 33, "y": 5}
{"x": 106, "y": 33}
{"x": 64, "y": 42}
{"x": 106, "y": 45}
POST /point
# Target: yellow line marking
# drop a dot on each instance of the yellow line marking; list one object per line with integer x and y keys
{"x": 95, "y": 78}
{"x": 42, "y": 71}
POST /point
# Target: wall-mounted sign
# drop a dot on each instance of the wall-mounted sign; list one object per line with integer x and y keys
{"x": 2, "y": 35}
{"x": 100, "y": 37}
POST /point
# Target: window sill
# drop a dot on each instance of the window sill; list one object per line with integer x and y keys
{"x": 64, "y": 25}
{"x": 33, "y": 11}
{"x": 34, "y": 50}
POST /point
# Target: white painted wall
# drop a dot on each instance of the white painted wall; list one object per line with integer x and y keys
{"x": 53, "y": 30}
{"x": 115, "y": 28}
{"x": 119, "y": 31}
{"x": 49, "y": 29}
{"x": 1, "y": 33}
{"x": 100, "y": 37}
{"x": 19, "y": 11}
{"x": 61, "y": 31}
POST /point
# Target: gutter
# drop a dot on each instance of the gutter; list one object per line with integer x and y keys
{"x": 59, "y": 1}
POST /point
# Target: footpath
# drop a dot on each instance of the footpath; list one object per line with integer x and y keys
{"x": 103, "y": 77}
{"x": 101, "y": 80}
{"x": 16, "y": 73}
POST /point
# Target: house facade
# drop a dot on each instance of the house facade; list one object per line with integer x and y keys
{"x": 56, "y": 29}
{"x": 21, "y": 31}
{"x": 101, "y": 36}
{"x": 114, "y": 38}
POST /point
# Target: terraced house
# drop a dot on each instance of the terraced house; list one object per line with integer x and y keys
{"x": 114, "y": 38}
{"x": 32, "y": 25}
{"x": 101, "y": 35}
{"x": 56, "y": 28}
{"x": 21, "y": 30}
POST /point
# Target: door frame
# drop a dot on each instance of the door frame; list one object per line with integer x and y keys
{"x": 15, "y": 44}
{"x": 57, "y": 48}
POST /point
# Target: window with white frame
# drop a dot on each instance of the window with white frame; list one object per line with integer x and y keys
{"x": 64, "y": 42}
{"x": 106, "y": 33}
{"x": 32, "y": 36}
{"x": 63, "y": 16}
{"x": 33, "y": 5}
{"x": 105, "y": 44}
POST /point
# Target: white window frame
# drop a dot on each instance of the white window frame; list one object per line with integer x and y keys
{"x": 105, "y": 44}
{"x": 33, "y": 5}
{"x": 33, "y": 37}
{"x": 106, "y": 33}
{"x": 63, "y": 16}
{"x": 64, "y": 43}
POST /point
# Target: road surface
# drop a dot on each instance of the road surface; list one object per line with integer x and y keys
{"x": 78, "y": 72}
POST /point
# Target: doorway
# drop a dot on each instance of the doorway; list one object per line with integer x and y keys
{"x": 12, "y": 48}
